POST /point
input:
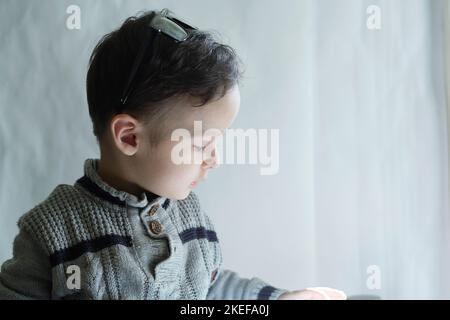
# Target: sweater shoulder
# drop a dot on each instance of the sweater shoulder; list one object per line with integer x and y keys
{"x": 60, "y": 200}
{"x": 68, "y": 216}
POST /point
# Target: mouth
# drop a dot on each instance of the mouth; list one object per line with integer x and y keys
{"x": 193, "y": 184}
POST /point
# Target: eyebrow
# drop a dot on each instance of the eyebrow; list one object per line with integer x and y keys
{"x": 209, "y": 142}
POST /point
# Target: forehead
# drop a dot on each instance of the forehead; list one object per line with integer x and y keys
{"x": 214, "y": 117}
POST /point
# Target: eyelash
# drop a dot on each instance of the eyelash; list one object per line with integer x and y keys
{"x": 200, "y": 148}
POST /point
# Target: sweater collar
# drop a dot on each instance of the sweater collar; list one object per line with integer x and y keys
{"x": 92, "y": 182}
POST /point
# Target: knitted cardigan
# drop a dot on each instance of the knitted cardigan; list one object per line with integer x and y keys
{"x": 91, "y": 241}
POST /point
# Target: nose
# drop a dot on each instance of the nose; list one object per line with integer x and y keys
{"x": 213, "y": 161}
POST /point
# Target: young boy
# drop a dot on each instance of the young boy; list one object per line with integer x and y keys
{"x": 131, "y": 227}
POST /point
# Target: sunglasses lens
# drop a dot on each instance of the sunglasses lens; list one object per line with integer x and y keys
{"x": 169, "y": 28}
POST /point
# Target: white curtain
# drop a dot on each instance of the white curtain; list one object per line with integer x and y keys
{"x": 445, "y": 9}
{"x": 362, "y": 190}
{"x": 380, "y": 147}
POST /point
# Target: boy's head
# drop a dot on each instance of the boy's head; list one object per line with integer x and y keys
{"x": 176, "y": 84}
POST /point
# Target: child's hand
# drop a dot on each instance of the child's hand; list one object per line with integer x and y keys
{"x": 316, "y": 293}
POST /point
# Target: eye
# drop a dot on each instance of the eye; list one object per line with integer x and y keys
{"x": 200, "y": 148}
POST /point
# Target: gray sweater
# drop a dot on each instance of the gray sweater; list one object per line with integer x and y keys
{"x": 92, "y": 241}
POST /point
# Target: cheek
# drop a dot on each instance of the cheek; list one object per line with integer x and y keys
{"x": 170, "y": 172}
{"x": 185, "y": 172}
{"x": 180, "y": 171}
{"x": 166, "y": 176}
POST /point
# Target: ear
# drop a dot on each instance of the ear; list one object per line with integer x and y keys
{"x": 124, "y": 130}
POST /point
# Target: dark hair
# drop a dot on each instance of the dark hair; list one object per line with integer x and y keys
{"x": 198, "y": 67}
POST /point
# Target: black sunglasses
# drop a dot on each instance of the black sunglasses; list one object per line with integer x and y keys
{"x": 163, "y": 22}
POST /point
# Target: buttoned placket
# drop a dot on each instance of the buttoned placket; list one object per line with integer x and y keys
{"x": 158, "y": 224}
{"x": 149, "y": 219}
{"x": 156, "y": 220}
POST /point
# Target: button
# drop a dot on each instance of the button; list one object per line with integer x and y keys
{"x": 153, "y": 210}
{"x": 155, "y": 226}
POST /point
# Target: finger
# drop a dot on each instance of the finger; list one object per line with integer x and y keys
{"x": 319, "y": 292}
{"x": 337, "y": 294}
{"x": 334, "y": 294}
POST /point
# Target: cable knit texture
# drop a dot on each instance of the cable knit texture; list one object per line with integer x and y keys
{"x": 91, "y": 241}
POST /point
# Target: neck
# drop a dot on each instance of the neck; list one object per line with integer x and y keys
{"x": 112, "y": 174}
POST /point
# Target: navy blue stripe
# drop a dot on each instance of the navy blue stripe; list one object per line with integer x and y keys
{"x": 198, "y": 233}
{"x": 99, "y": 192}
{"x": 91, "y": 186}
{"x": 151, "y": 196}
{"x": 166, "y": 204}
{"x": 265, "y": 293}
{"x": 93, "y": 245}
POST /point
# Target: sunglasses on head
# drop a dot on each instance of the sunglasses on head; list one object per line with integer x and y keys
{"x": 163, "y": 23}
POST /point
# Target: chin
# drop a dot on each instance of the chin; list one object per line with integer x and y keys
{"x": 181, "y": 195}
